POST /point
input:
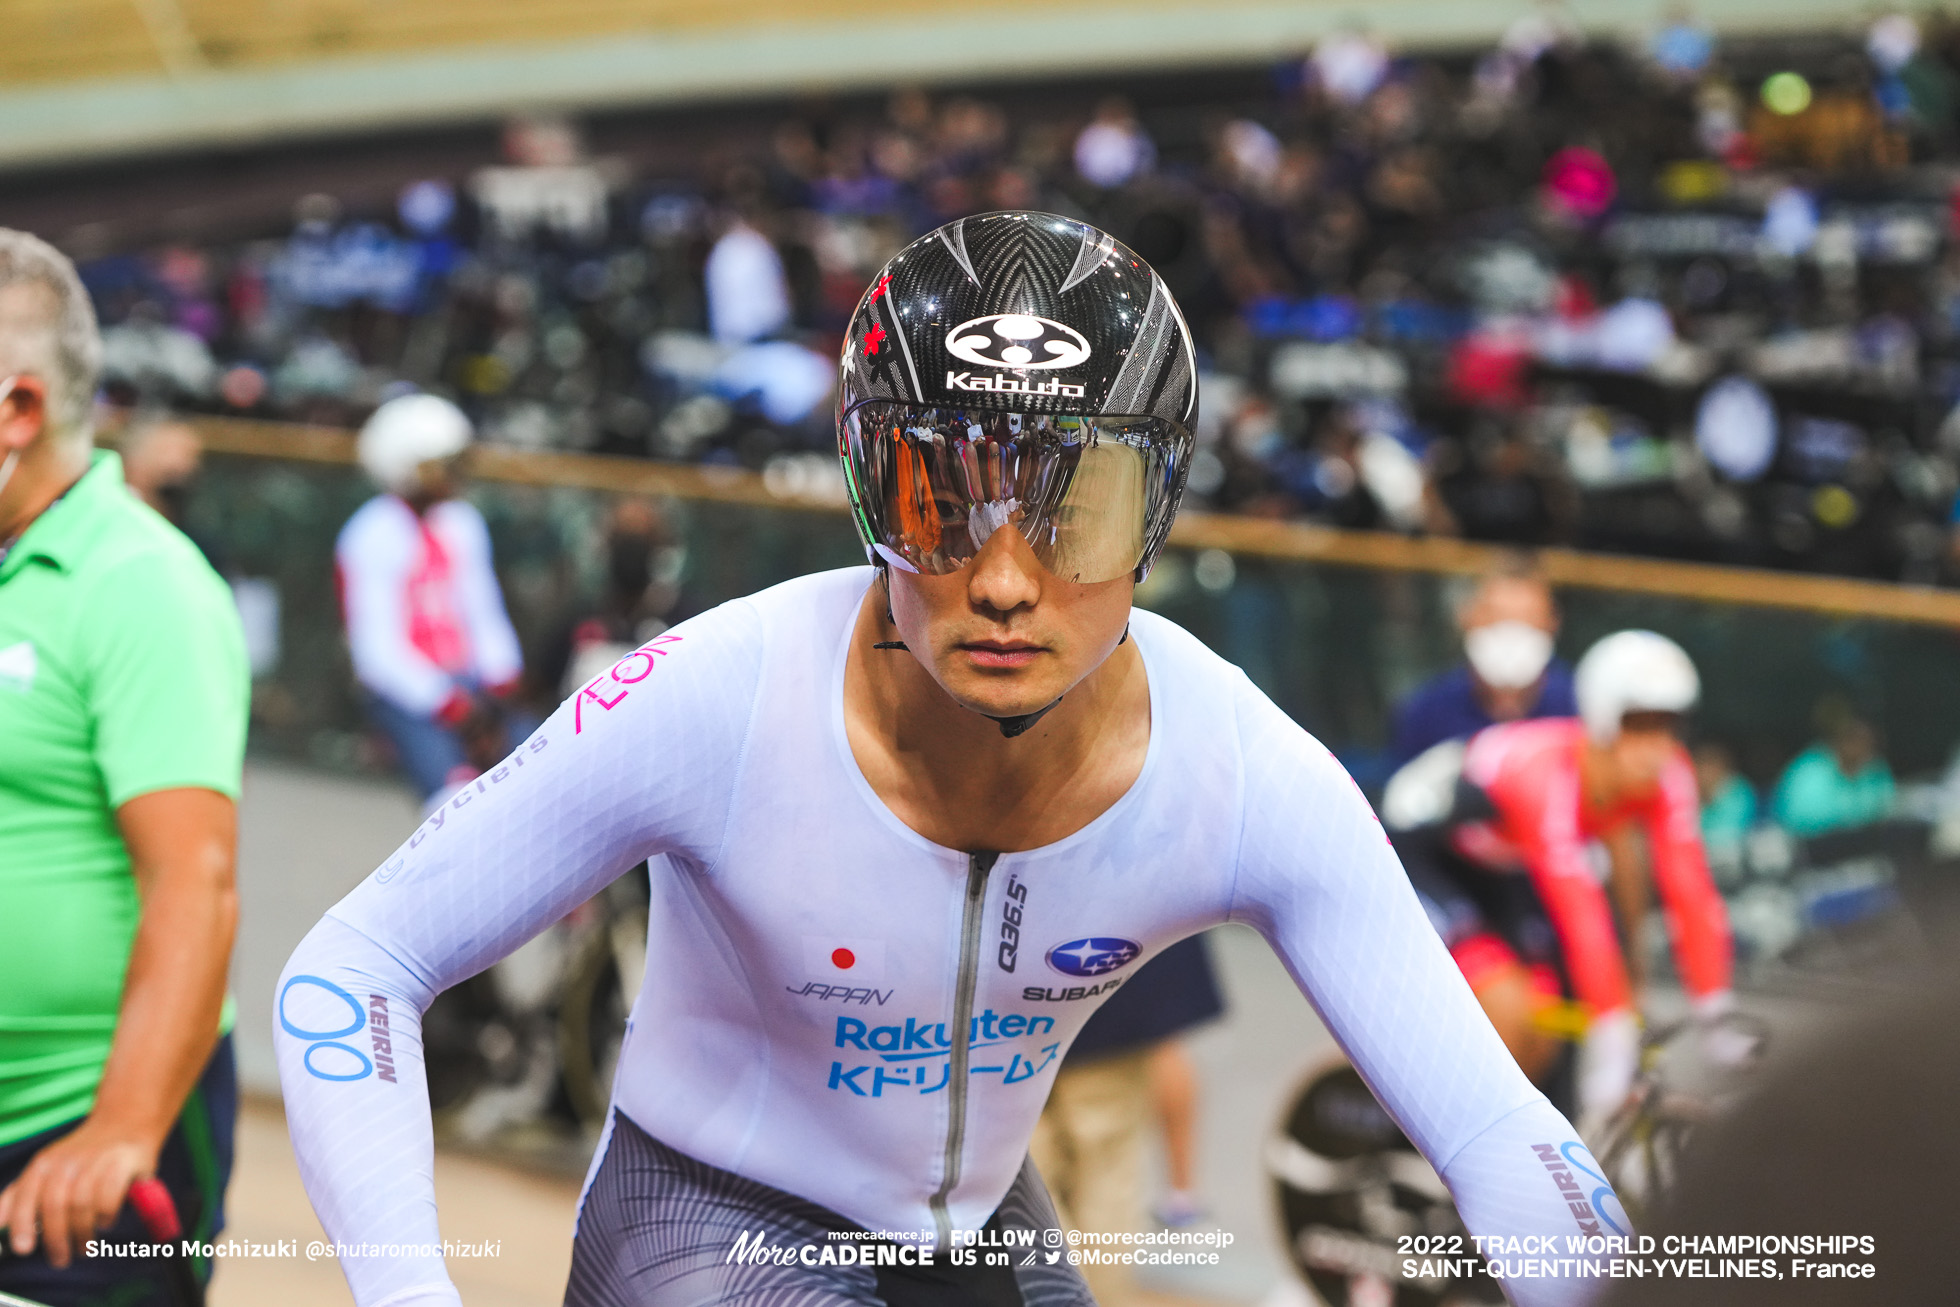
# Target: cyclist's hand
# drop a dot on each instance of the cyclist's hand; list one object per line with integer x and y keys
{"x": 457, "y": 708}
{"x": 1725, "y": 1037}
{"x": 1609, "y": 1059}
{"x": 73, "y": 1188}
{"x": 1730, "y": 1046}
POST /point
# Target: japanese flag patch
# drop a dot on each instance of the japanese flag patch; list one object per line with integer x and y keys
{"x": 844, "y": 960}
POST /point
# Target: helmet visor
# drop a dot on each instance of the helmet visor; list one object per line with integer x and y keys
{"x": 1093, "y": 496}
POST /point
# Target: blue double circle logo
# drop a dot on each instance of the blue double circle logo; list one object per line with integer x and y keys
{"x": 328, "y": 1042}
{"x": 1602, "y": 1194}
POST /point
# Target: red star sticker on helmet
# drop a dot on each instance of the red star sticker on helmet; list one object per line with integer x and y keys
{"x": 884, "y": 284}
{"x": 872, "y": 338}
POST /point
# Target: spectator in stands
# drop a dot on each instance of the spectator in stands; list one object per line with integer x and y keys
{"x": 1682, "y": 48}
{"x": 123, "y": 699}
{"x": 642, "y": 596}
{"x": 1951, "y": 430}
{"x": 1114, "y": 149}
{"x": 431, "y": 642}
{"x": 160, "y": 461}
{"x": 1347, "y": 66}
{"x": 748, "y": 295}
{"x": 1418, "y": 196}
{"x": 1838, "y": 783}
{"x": 1495, "y": 486}
{"x": 1728, "y": 800}
{"x": 1509, "y": 623}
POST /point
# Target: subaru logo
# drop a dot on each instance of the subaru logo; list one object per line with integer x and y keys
{"x": 1017, "y": 340}
{"x": 1096, "y": 956}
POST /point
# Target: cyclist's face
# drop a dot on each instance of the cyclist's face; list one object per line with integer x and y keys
{"x": 1002, "y": 635}
{"x": 1641, "y": 754}
{"x": 439, "y": 478}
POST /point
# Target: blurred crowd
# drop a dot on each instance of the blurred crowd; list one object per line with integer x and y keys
{"x": 1683, "y": 297}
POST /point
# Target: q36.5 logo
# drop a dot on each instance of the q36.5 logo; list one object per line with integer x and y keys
{"x": 1017, "y": 340}
{"x": 1096, "y": 956}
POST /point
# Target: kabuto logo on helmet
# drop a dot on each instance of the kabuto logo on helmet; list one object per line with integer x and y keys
{"x": 1017, "y": 340}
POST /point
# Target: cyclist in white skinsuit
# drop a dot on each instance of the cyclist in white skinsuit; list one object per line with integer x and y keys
{"x": 878, "y": 917}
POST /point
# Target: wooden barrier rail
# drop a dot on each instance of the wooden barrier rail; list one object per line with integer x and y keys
{"x": 1259, "y": 537}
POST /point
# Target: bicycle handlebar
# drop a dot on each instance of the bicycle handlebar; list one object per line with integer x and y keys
{"x": 153, "y": 1203}
{"x": 1569, "y": 1020}
{"x": 159, "y": 1212}
{"x": 1657, "y": 1036}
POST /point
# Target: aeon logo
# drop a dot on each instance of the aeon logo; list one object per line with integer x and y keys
{"x": 1095, "y": 956}
{"x": 1017, "y": 340}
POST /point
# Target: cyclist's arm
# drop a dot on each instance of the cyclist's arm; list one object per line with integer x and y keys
{"x": 1697, "y": 920}
{"x": 1317, "y": 878}
{"x": 373, "y": 560}
{"x": 1543, "y": 818}
{"x": 640, "y": 762}
{"x": 1627, "y": 885}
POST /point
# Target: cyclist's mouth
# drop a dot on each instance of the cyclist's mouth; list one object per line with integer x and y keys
{"x": 1001, "y": 653}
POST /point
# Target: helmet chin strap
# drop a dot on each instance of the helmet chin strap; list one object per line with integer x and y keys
{"x": 1013, "y": 726}
{"x": 1009, "y": 726}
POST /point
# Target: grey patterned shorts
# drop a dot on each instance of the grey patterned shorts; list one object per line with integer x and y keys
{"x": 660, "y": 1229}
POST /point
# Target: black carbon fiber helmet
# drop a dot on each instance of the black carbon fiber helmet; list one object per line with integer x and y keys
{"x": 1017, "y": 367}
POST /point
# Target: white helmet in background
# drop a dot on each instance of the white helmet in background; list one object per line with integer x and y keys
{"x": 407, "y": 432}
{"x": 1633, "y": 671}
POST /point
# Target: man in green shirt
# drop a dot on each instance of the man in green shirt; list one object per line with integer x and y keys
{"x": 123, "y": 698}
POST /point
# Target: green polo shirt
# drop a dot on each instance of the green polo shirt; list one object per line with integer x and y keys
{"x": 122, "y": 671}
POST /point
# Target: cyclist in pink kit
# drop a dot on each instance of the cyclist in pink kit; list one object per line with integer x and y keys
{"x": 1498, "y": 838}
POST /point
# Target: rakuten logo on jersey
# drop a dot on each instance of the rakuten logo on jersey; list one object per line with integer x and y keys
{"x": 917, "y": 1055}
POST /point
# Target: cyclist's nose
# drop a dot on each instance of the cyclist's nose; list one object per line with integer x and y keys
{"x": 1005, "y": 574}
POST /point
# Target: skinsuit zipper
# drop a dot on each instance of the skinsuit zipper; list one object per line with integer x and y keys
{"x": 978, "y": 865}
